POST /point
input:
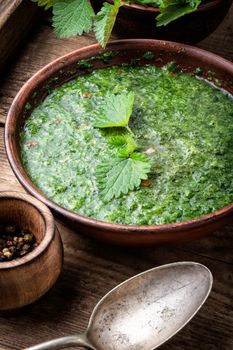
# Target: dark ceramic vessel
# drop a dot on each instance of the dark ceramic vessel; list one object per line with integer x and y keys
{"x": 75, "y": 64}
{"x": 137, "y": 21}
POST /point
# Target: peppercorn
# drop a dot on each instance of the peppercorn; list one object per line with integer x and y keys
{"x": 9, "y": 243}
{"x": 5, "y": 250}
{"x": 28, "y": 237}
{"x": 12, "y": 249}
{"x": 26, "y": 247}
{"x": 15, "y": 242}
{"x": 8, "y": 255}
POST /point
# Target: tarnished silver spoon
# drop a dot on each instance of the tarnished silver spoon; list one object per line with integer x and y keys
{"x": 145, "y": 311}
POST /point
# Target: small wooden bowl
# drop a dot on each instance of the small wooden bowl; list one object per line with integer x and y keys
{"x": 26, "y": 279}
{"x": 119, "y": 52}
{"x": 138, "y": 21}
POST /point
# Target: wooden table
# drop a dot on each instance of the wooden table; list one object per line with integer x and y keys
{"x": 91, "y": 268}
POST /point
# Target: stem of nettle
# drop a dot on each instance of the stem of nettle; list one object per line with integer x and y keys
{"x": 129, "y": 130}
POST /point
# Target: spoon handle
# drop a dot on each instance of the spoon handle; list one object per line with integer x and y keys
{"x": 64, "y": 342}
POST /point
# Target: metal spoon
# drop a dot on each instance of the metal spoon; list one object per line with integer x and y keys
{"x": 145, "y": 311}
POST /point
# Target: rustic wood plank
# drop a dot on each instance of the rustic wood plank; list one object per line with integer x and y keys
{"x": 7, "y": 7}
{"x": 221, "y": 41}
{"x": 8, "y": 181}
{"x": 16, "y": 18}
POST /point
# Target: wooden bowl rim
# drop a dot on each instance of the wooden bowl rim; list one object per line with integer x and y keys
{"x": 202, "y": 8}
{"x": 86, "y": 52}
{"x": 49, "y": 228}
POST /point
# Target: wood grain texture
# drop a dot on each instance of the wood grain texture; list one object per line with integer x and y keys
{"x": 16, "y": 18}
{"x": 221, "y": 41}
{"x": 91, "y": 269}
{"x": 7, "y": 7}
{"x": 8, "y": 181}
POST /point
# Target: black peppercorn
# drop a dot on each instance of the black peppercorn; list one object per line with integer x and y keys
{"x": 15, "y": 243}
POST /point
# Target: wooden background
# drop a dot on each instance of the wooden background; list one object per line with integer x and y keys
{"x": 91, "y": 269}
{"x": 16, "y": 19}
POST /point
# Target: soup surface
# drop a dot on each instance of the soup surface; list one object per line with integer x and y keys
{"x": 182, "y": 123}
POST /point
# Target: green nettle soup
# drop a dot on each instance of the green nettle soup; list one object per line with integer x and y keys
{"x": 182, "y": 124}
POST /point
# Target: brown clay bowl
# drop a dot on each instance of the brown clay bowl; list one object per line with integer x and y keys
{"x": 68, "y": 67}
{"x": 24, "y": 280}
{"x": 137, "y": 21}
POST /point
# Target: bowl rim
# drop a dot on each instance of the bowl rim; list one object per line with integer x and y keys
{"x": 201, "y": 8}
{"x": 49, "y": 233}
{"x": 55, "y": 65}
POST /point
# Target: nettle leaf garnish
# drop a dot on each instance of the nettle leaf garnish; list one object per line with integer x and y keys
{"x": 105, "y": 20}
{"x": 44, "y": 3}
{"x": 172, "y": 10}
{"x": 72, "y": 17}
{"x": 119, "y": 175}
{"x": 116, "y": 111}
{"x": 125, "y": 144}
{"x": 125, "y": 171}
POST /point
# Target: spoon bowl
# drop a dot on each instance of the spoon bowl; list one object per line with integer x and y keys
{"x": 144, "y": 311}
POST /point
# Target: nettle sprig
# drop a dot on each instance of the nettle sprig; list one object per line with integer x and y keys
{"x": 76, "y": 17}
{"x": 120, "y": 174}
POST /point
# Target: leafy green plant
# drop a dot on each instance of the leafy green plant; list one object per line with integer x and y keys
{"x": 124, "y": 172}
{"x": 44, "y": 3}
{"x": 171, "y": 10}
{"x": 116, "y": 111}
{"x": 72, "y": 17}
{"x": 118, "y": 176}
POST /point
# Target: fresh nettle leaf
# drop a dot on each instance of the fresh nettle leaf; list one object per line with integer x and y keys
{"x": 44, "y": 3}
{"x": 128, "y": 168}
{"x": 120, "y": 175}
{"x": 125, "y": 144}
{"x": 172, "y": 10}
{"x": 116, "y": 111}
{"x": 72, "y": 17}
{"x": 105, "y": 20}
{"x": 75, "y": 17}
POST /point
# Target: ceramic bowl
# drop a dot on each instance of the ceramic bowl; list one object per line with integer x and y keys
{"x": 25, "y": 279}
{"x": 137, "y": 21}
{"x": 117, "y": 53}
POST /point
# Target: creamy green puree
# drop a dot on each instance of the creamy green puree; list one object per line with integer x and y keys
{"x": 182, "y": 123}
